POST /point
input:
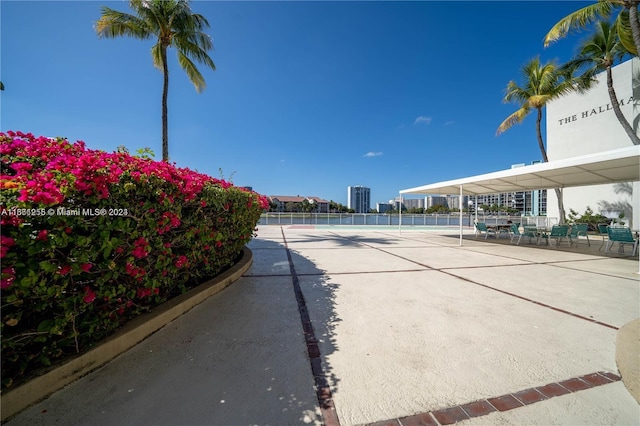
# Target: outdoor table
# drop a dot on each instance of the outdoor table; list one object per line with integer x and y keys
{"x": 499, "y": 226}
{"x": 543, "y": 233}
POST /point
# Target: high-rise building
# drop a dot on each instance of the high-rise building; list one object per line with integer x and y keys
{"x": 527, "y": 203}
{"x": 435, "y": 200}
{"x": 413, "y": 203}
{"x": 359, "y": 198}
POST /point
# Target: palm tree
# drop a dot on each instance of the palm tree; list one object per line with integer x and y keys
{"x": 626, "y": 24}
{"x": 173, "y": 24}
{"x": 542, "y": 83}
{"x": 599, "y": 53}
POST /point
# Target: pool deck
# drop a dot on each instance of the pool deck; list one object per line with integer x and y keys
{"x": 356, "y": 326}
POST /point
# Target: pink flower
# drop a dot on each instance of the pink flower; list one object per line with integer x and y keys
{"x": 8, "y": 276}
{"x": 42, "y": 235}
{"x": 89, "y": 295}
{"x": 145, "y": 292}
{"x": 86, "y": 267}
{"x": 64, "y": 270}
{"x": 141, "y": 248}
{"x": 135, "y": 272}
{"x": 7, "y": 241}
{"x": 21, "y": 167}
{"x": 182, "y": 260}
{"x": 139, "y": 252}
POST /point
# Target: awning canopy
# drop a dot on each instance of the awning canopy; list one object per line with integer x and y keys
{"x": 619, "y": 165}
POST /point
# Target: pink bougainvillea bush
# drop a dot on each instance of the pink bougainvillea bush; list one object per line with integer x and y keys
{"x": 90, "y": 239}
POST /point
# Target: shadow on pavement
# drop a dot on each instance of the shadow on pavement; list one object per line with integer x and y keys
{"x": 352, "y": 239}
{"x": 238, "y": 358}
{"x": 316, "y": 319}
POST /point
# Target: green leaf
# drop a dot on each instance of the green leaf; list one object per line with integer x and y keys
{"x": 45, "y": 326}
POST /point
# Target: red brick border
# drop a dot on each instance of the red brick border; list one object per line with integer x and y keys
{"x": 450, "y": 415}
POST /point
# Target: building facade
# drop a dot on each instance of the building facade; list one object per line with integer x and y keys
{"x": 527, "y": 203}
{"x": 296, "y": 203}
{"x": 384, "y": 207}
{"x": 413, "y": 203}
{"x": 435, "y": 200}
{"x": 581, "y": 124}
{"x": 359, "y": 198}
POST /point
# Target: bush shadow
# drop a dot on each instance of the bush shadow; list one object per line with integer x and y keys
{"x": 239, "y": 358}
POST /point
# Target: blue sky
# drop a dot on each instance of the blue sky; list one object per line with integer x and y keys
{"x": 308, "y": 97}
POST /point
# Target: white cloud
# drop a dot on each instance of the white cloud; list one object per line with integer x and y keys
{"x": 373, "y": 154}
{"x": 422, "y": 119}
{"x": 448, "y": 123}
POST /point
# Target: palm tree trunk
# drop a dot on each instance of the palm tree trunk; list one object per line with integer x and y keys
{"x": 539, "y": 133}
{"x": 561, "y": 219}
{"x": 635, "y": 25}
{"x": 616, "y": 109}
{"x": 165, "y": 93}
{"x": 543, "y": 151}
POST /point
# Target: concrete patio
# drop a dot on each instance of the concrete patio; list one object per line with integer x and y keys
{"x": 347, "y": 326}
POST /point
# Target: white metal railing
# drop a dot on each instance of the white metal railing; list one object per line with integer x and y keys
{"x": 373, "y": 219}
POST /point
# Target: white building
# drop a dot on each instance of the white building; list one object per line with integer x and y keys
{"x": 580, "y": 124}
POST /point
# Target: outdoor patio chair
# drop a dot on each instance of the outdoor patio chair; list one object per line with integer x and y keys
{"x": 604, "y": 233}
{"x": 482, "y": 227}
{"x": 527, "y": 231}
{"x": 621, "y": 236}
{"x": 577, "y": 230}
{"x": 558, "y": 232}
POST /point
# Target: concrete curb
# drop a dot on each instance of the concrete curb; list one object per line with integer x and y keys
{"x": 131, "y": 334}
{"x": 628, "y": 356}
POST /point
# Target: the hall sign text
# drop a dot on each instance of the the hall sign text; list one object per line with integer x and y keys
{"x": 594, "y": 111}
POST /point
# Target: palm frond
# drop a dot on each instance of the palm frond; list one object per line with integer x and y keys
{"x": 192, "y": 72}
{"x": 113, "y": 23}
{"x": 579, "y": 19}
{"x": 515, "y": 93}
{"x": 623, "y": 29}
{"x": 156, "y": 55}
{"x": 515, "y": 118}
{"x": 193, "y": 51}
{"x": 600, "y": 51}
{"x": 201, "y": 21}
